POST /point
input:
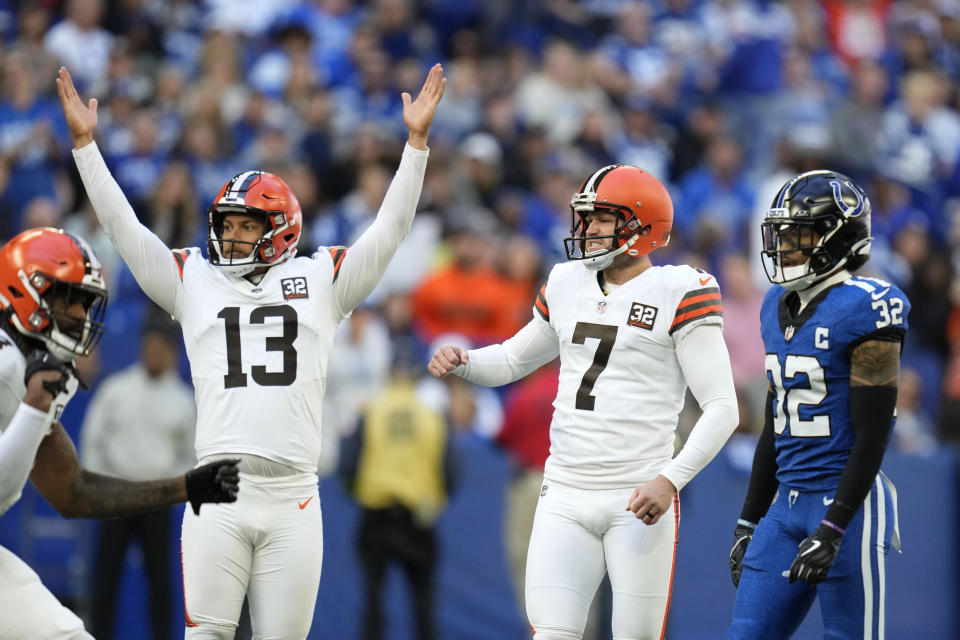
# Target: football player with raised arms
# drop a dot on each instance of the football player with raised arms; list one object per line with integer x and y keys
{"x": 819, "y": 516}
{"x": 52, "y": 299}
{"x": 258, "y": 323}
{"x": 631, "y": 338}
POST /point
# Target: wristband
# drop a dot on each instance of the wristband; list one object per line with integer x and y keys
{"x": 830, "y": 525}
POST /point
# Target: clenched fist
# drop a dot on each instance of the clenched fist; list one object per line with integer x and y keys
{"x": 446, "y": 359}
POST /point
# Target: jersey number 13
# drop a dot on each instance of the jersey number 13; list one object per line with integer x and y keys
{"x": 284, "y": 343}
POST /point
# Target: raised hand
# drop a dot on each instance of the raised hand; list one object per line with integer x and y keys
{"x": 418, "y": 114}
{"x": 81, "y": 118}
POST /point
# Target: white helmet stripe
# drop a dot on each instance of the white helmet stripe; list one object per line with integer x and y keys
{"x": 235, "y": 191}
{"x": 594, "y": 181}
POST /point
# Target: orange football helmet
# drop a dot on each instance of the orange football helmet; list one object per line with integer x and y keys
{"x": 257, "y": 194}
{"x": 43, "y": 273}
{"x": 643, "y": 208}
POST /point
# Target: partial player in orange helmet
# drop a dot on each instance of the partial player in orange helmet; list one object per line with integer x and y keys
{"x": 52, "y": 290}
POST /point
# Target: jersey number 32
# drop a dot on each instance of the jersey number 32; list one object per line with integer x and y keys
{"x": 787, "y": 402}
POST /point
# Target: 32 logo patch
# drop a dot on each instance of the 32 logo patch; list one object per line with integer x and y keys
{"x": 642, "y": 316}
{"x": 294, "y": 288}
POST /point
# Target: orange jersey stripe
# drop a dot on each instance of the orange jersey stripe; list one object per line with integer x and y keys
{"x": 337, "y": 254}
{"x": 686, "y": 302}
{"x": 541, "y": 303}
{"x": 180, "y": 257}
{"x": 696, "y": 313}
{"x": 542, "y": 308}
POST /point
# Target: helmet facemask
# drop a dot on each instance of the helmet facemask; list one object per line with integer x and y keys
{"x": 817, "y": 225}
{"x": 625, "y": 234}
{"x": 65, "y": 335}
{"x": 267, "y": 198}
{"x": 799, "y": 253}
{"x": 262, "y": 252}
{"x": 643, "y": 210}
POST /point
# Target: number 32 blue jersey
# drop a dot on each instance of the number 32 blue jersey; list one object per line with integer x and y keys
{"x": 808, "y": 367}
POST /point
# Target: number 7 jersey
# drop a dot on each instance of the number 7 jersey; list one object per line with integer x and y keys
{"x": 258, "y": 354}
{"x": 808, "y": 366}
{"x": 621, "y": 386}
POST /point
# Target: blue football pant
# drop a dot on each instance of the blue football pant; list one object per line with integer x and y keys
{"x": 852, "y": 598}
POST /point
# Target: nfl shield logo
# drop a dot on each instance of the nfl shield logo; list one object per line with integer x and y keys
{"x": 602, "y": 306}
{"x": 788, "y": 332}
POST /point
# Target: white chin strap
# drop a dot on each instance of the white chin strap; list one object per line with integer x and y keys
{"x": 238, "y": 270}
{"x": 603, "y": 260}
{"x": 802, "y": 278}
{"x": 53, "y": 346}
{"x": 59, "y": 351}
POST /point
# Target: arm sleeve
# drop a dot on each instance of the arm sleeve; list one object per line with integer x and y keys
{"x": 703, "y": 357}
{"x": 365, "y": 262}
{"x": 499, "y": 364}
{"x": 146, "y": 255}
{"x": 18, "y": 448}
{"x": 763, "y": 476}
{"x": 871, "y": 416}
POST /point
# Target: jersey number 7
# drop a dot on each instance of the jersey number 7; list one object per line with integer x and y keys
{"x": 787, "y": 402}
{"x": 607, "y": 334}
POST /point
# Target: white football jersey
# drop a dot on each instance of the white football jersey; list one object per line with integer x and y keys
{"x": 621, "y": 386}
{"x": 12, "y": 388}
{"x": 258, "y": 355}
{"x": 258, "y": 352}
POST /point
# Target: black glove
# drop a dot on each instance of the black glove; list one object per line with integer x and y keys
{"x": 40, "y": 360}
{"x": 216, "y": 481}
{"x": 742, "y": 536}
{"x": 817, "y": 554}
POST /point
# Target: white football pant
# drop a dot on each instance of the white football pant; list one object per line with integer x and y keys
{"x": 267, "y": 545}
{"x": 578, "y": 534}
{"x": 27, "y": 610}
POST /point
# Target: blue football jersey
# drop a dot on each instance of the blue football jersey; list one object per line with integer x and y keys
{"x": 808, "y": 366}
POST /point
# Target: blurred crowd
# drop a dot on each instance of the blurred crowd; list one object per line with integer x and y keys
{"x": 722, "y": 100}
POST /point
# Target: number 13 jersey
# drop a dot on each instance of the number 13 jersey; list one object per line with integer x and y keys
{"x": 621, "y": 387}
{"x": 257, "y": 354}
